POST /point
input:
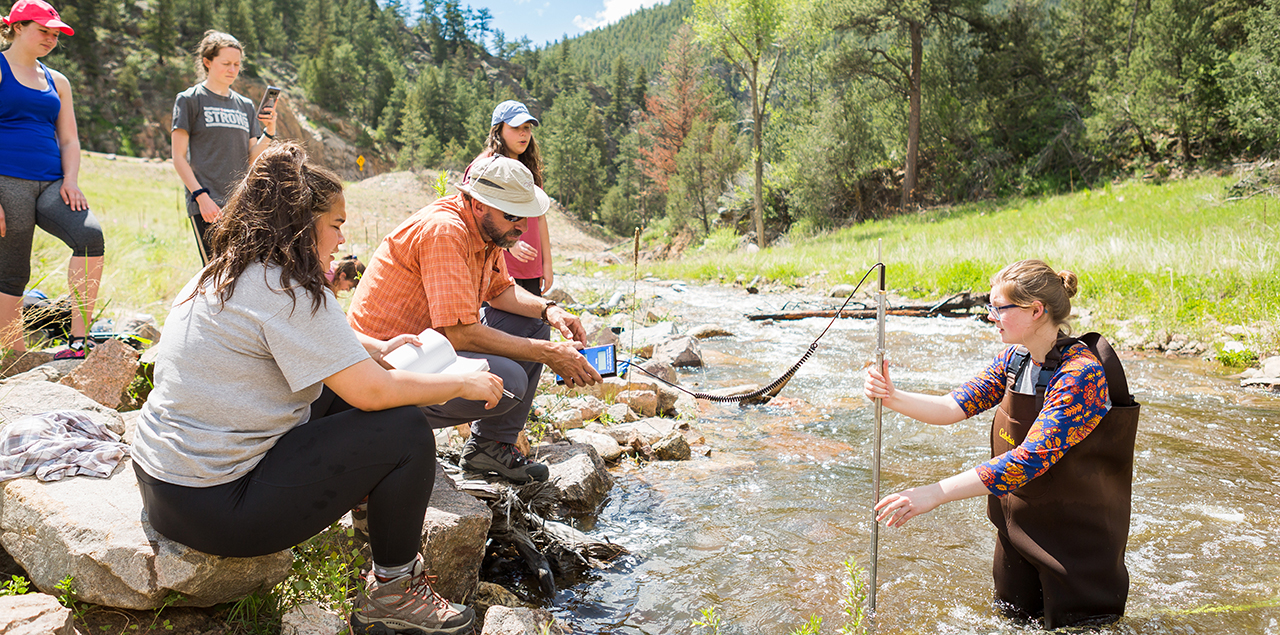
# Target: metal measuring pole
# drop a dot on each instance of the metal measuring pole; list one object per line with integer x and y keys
{"x": 875, "y": 454}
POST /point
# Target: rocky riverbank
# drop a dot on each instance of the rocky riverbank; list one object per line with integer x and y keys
{"x": 93, "y": 531}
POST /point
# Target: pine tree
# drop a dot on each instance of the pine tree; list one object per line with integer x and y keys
{"x": 573, "y": 159}
{"x": 640, "y": 89}
{"x": 160, "y": 26}
{"x": 619, "y": 93}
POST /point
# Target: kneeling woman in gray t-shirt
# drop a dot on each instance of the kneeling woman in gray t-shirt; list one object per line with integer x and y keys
{"x": 234, "y": 454}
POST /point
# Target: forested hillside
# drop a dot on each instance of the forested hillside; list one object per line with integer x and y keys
{"x": 840, "y": 110}
{"x": 639, "y": 40}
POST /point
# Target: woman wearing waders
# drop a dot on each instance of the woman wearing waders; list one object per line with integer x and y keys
{"x": 217, "y": 133}
{"x": 1059, "y": 479}
{"x": 39, "y": 171}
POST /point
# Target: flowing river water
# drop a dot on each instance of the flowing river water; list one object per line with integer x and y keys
{"x": 760, "y": 529}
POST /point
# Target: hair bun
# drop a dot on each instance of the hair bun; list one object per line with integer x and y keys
{"x": 1070, "y": 282}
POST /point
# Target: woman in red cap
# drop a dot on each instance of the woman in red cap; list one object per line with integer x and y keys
{"x": 39, "y": 171}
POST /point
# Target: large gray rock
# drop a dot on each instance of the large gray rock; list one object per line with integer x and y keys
{"x": 454, "y": 533}
{"x": 578, "y": 474}
{"x": 105, "y": 373}
{"x": 95, "y": 531}
{"x": 35, "y": 614}
{"x": 681, "y": 352}
{"x": 20, "y": 399}
{"x": 502, "y": 620}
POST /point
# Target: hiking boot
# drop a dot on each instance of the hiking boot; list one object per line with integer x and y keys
{"x": 484, "y": 456}
{"x": 408, "y": 605}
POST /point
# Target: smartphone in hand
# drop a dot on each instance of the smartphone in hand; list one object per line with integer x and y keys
{"x": 268, "y": 99}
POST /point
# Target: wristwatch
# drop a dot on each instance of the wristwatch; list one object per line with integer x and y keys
{"x": 548, "y": 305}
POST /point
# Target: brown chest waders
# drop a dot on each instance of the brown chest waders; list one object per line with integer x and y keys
{"x": 1061, "y": 537}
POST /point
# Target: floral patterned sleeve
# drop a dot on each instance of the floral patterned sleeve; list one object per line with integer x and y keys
{"x": 985, "y": 391}
{"x": 1074, "y": 402}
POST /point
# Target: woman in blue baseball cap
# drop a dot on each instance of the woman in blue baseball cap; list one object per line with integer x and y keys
{"x": 511, "y": 135}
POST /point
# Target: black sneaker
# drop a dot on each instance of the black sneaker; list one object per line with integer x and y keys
{"x": 484, "y": 456}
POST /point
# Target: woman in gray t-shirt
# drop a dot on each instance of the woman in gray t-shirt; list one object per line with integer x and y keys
{"x": 237, "y": 452}
{"x": 216, "y": 133}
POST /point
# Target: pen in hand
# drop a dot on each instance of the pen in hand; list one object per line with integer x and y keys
{"x": 508, "y": 393}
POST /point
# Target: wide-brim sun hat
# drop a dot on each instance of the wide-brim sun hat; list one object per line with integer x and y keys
{"x": 40, "y": 12}
{"x": 512, "y": 113}
{"x": 506, "y": 184}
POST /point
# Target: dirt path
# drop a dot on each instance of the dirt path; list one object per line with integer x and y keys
{"x": 376, "y": 205}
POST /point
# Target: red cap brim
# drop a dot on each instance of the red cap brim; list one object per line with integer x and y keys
{"x": 61, "y": 26}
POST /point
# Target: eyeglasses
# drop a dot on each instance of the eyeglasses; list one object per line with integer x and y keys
{"x": 994, "y": 311}
{"x": 511, "y": 219}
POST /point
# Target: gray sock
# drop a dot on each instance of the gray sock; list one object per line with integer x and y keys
{"x": 386, "y": 574}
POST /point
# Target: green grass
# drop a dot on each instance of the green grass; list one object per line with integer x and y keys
{"x": 1177, "y": 254}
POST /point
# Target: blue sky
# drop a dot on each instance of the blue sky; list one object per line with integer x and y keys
{"x": 548, "y": 20}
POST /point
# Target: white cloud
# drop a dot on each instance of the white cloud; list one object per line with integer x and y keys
{"x": 613, "y": 11}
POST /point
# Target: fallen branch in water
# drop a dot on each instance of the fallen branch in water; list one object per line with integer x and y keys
{"x": 958, "y": 305}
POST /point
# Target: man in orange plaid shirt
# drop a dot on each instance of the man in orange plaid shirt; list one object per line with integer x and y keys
{"x": 437, "y": 269}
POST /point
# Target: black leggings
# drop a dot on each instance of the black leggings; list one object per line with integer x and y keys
{"x": 30, "y": 204}
{"x": 311, "y": 477}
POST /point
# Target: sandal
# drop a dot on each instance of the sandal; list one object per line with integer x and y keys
{"x": 77, "y": 348}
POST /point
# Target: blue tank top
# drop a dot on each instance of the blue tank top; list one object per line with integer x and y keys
{"x": 28, "y": 126}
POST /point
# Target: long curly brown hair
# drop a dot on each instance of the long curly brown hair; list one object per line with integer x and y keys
{"x": 531, "y": 158}
{"x": 270, "y": 219}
